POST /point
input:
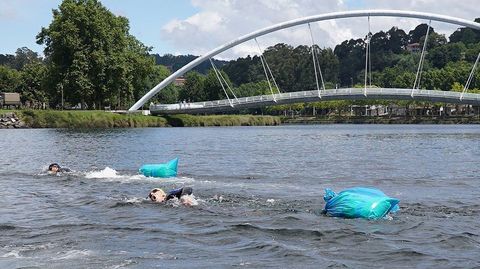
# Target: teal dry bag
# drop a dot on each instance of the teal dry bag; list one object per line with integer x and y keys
{"x": 168, "y": 169}
{"x": 359, "y": 202}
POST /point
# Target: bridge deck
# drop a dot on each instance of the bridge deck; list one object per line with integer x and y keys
{"x": 313, "y": 96}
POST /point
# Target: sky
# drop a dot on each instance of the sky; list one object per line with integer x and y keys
{"x": 198, "y": 26}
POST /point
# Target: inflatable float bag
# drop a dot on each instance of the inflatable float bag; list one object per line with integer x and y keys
{"x": 367, "y": 203}
{"x": 160, "y": 170}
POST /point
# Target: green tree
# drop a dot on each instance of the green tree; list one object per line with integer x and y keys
{"x": 24, "y": 56}
{"x": 441, "y": 55}
{"x": 252, "y": 89}
{"x": 397, "y": 40}
{"x": 282, "y": 62}
{"x": 466, "y": 35}
{"x": 92, "y": 57}
{"x": 10, "y": 79}
{"x": 434, "y": 40}
{"x": 244, "y": 70}
{"x": 351, "y": 57}
{"x": 415, "y": 35}
{"x": 213, "y": 89}
{"x": 194, "y": 88}
{"x": 32, "y": 86}
{"x": 167, "y": 95}
{"x": 7, "y": 60}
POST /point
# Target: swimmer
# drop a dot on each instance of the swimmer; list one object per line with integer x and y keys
{"x": 54, "y": 168}
{"x": 183, "y": 194}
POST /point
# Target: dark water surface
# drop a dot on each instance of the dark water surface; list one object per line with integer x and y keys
{"x": 260, "y": 197}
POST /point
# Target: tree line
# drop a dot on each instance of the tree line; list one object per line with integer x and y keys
{"x": 92, "y": 61}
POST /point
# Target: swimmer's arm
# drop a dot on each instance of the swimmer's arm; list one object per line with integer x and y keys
{"x": 179, "y": 193}
{"x": 174, "y": 193}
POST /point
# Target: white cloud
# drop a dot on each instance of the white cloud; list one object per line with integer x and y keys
{"x": 220, "y": 21}
{"x": 8, "y": 11}
{"x": 464, "y": 9}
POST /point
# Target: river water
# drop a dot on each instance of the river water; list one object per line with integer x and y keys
{"x": 260, "y": 195}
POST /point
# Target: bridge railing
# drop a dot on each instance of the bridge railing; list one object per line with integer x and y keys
{"x": 308, "y": 95}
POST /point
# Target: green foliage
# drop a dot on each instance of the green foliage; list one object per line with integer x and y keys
{"x": 24, "y": 56}
{"x": 167, "y": 95}
{"x": 194, "y": 88}
{"x": 244, "y": 70}
{"x": 466, "y": 35}
{"x": 212, "y": 87}
{"x": 87, "y": 119}
{"x": 200, "y": 88}
{"x": 91, "y": 56}
{"x": 253, "y": 89}
{"x": 222, "y": 120}
{"x": 292, "y": 67}
{"x": 457, "y": 87}
{"x": 441, "y": 55}
{"x": 415, "y": 35}
{"x": 32, "y": 83}
{"x": 175, "y": 62}
{"x": 10, "y": 79}
{"x": 101, "y": 119}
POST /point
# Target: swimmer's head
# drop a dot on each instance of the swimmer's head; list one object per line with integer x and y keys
{"x": 54, "y": 167}
{"x": 188, "y": 200}
{"x": 157, "y": 195}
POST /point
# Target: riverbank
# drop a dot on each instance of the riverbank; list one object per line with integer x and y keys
{"x": 82, "y": 119}
{"x": 382, "y": 120}
{"x": 87, "y": 119}
{"x": 222, "y": 120}
{"x": 10, "y": 120}
{"x": 102, "y": 119}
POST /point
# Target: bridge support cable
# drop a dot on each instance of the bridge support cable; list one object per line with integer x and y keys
{"x": 223, "y": 78}
{"x": 368, "y": 62}
{"x": 418, "y": 77}
{"x": 369, "y": 55}
{"x": 228, "y": 86}
{"x": 469, "y": 80}
{"x": 316, "y": 63}
{"x": 265, "y": 68}
{"x": 219, "y": 75}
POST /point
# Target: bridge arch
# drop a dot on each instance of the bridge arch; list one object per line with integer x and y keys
{"x": 295, "y": 22}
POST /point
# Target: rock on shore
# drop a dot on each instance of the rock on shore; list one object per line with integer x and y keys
{"x": 10, "y": 121}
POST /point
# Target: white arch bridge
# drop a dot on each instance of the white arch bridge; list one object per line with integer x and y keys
{"x": 321, "y": 94}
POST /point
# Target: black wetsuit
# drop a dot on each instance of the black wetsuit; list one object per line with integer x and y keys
{"x": 179, "y": 193}
{"x": 60, "y": 169}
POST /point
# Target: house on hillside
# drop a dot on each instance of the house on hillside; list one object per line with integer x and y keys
{"x": 413, "y": 48}
{"x": 180, "y": 81}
